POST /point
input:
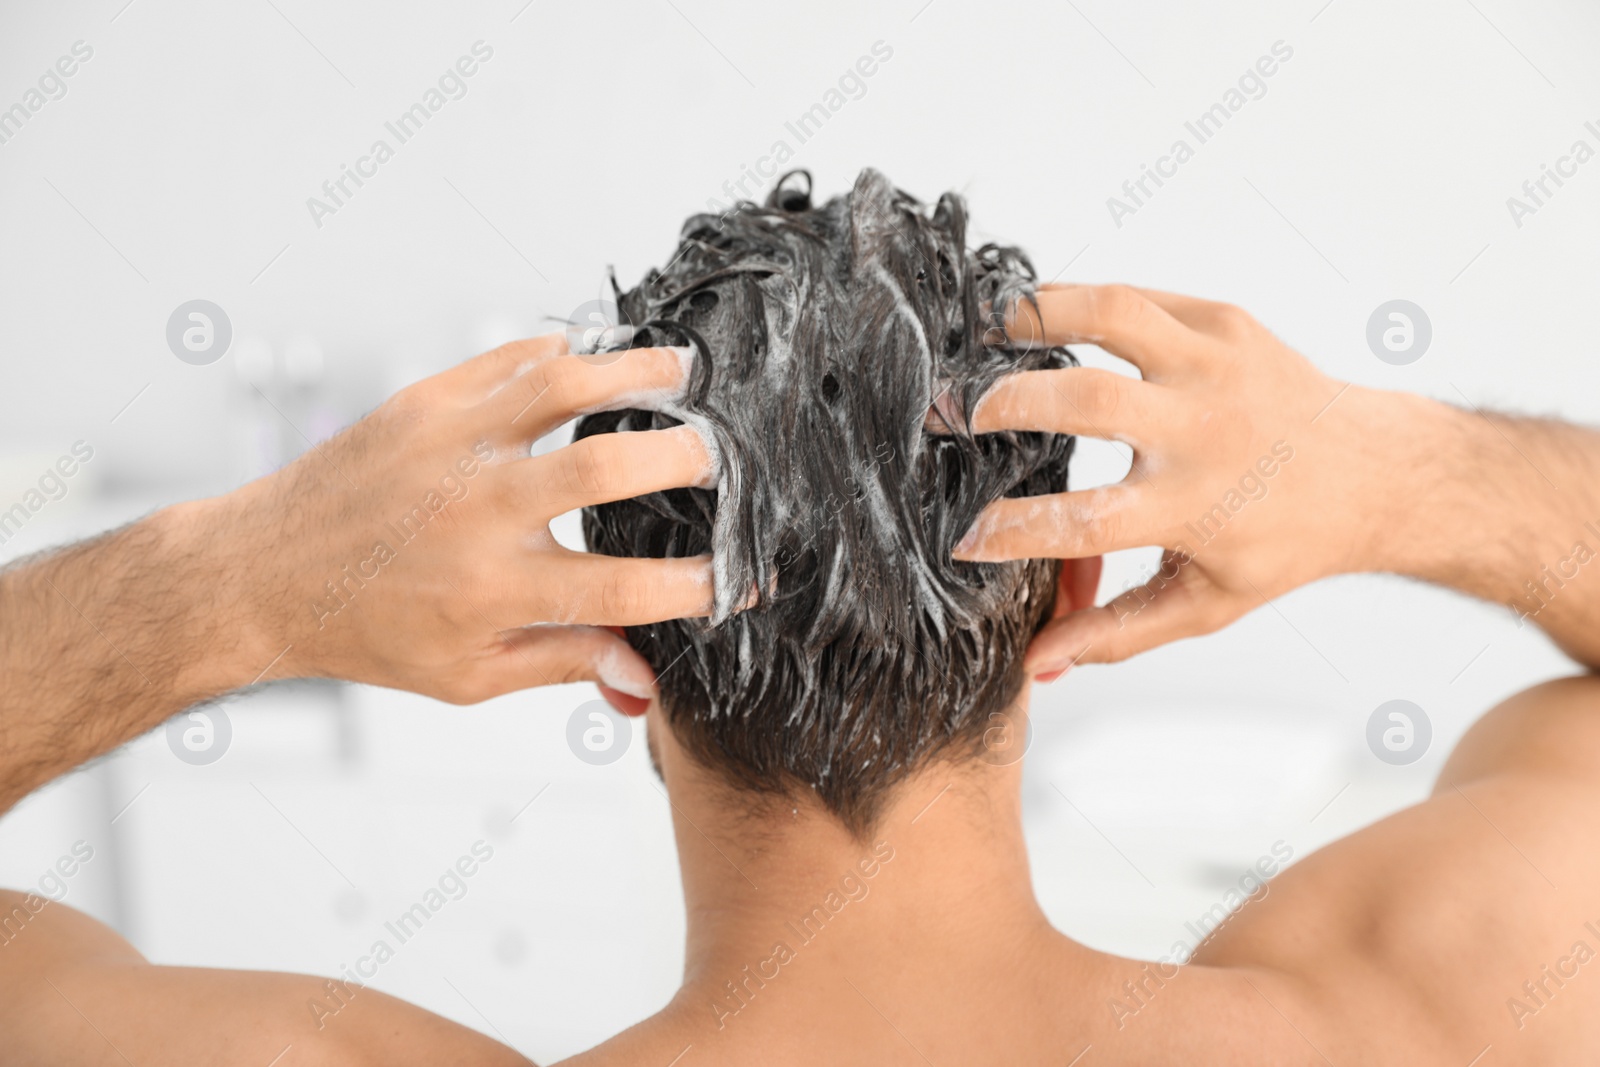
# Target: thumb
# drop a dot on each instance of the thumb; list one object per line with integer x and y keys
{"x": 558, "y": 655}
{"x": 1177, "y": 602}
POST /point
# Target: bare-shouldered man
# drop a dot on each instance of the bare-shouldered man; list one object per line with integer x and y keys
{"x": 1459, "y": 931}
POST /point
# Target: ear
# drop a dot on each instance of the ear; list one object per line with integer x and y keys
{"x": 1075, "y": 591}
{"x": 631, "y": 706}
{"x": 1078, "y": 584}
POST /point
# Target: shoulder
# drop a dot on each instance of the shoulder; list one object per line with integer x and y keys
{"x": 73, "y": 990}
{"x": 1549, "y": 730}
{"x": 1439, "y": 924}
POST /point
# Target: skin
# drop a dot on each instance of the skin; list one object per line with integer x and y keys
{"x": 1403, "y": 943}
{"x": 1379, "y": 481}
{"x": 108, "y": 638}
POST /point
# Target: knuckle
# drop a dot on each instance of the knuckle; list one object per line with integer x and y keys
{"x": 1232, "y": 321}
{"x": 502, "y": 361}
{"x": 591, "y": 469}
{"x": 514, "y": 355}
{"x": 1100, "y": 395}
{"x": 1099, "y": 529}
{"x": 562, "y": 383}
{"x": 1118, "y": 306}
{"x": 619, "y": 597}
{"x": 537, "y": 391}
{"x": 1115, "y": 648}
{"x": 410, "y": 405}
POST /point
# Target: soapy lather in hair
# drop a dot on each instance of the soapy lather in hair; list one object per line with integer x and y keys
{"x": 823, "y": 336}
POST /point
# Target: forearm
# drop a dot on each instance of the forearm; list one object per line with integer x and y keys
{"x": 412, "y": 550}
{"x": 104, "y": 639}
{"x": 1503, "y": 508}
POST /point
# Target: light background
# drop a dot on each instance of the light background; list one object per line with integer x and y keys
{"x": 1376, "y": 166}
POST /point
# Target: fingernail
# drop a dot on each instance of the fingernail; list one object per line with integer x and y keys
{"x": 711, "y": 474}
{"x": 1049, "y": 676}
{"x": 706, "y": 578}
{"x": 685, "y": 354}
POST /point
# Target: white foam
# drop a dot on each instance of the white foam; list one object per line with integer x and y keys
{"x": 621, "y": 673}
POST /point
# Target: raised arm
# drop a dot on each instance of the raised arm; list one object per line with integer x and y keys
{"x": 411, "y": 551}
{"x": 1257, "y": 473}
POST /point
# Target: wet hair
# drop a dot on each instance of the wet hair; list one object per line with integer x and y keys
{"x": 822, "y": 336}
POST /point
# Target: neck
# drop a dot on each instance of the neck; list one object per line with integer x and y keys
{"x": 791, "y": 898}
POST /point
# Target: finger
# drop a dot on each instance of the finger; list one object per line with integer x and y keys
{"x": 1227, "y": 322}
{"x": 1118, "y": 318}
{"x": 555, "y": 390}
{"x": 1076, "y": 400}
{"x": 557, "y": 655}
{"x": 1087, "y": 522}
{"x": 612, "y": 466}
{"x": 616, "y": 591}
{"x": 1172, "y": 605}
{"x": 1223, "y": 321}
{"x": 481, "y": 376}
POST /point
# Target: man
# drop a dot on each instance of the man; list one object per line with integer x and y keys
{"x": 880, "y": 910}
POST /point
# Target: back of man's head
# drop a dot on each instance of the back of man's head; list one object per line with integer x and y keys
{"x": 822, "y": 336}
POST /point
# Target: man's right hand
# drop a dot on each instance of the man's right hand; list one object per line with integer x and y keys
{"x": 414, "y": 549}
